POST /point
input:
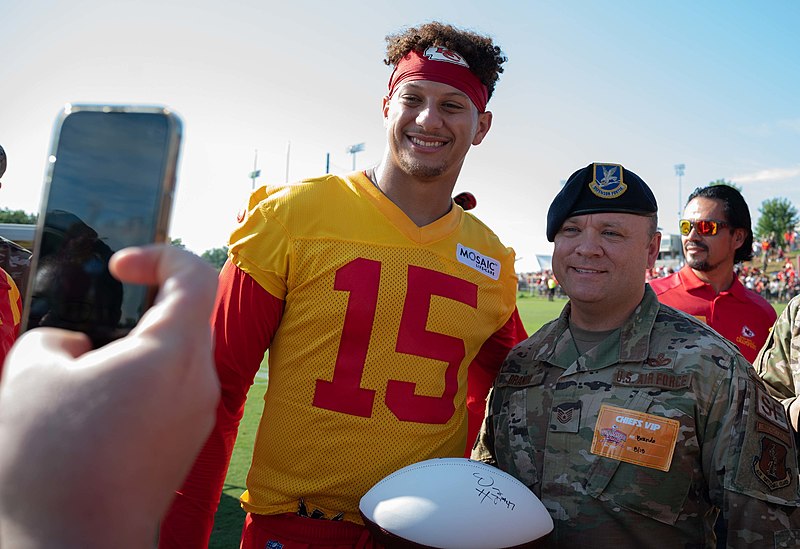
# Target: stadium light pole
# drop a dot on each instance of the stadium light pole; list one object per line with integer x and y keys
{"x": 288, "y": 155}
{"x": 353, "y": 149}
{"x": 679, "y": 169}
{"x": 256, "y": 172}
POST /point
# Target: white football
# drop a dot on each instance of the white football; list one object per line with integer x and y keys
{"x": 456, "y": 503}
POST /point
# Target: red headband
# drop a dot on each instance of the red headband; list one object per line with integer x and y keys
{"x": 440, "y": 65}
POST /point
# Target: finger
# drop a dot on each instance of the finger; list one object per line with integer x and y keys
{"x": 163, "y": 265}
{"x": 44, "y": 346}
{"x": 155, "y": 264}
{"x": 52, "y": 341}
{"x": 187, "y": 285}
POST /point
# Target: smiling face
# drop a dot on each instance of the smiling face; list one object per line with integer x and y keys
{"x": 430, "y": 127}
{"x": 710, "y": 253}
{"x": 600, "y": 260}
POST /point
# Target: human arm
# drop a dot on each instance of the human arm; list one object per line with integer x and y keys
{"x": 483, "y": 370}
{"x": 778, "y": 362}
{"x": 483, "y": 450}
{"x": 753, "y": 478}
{"x": 10, "y": 314}
{"x": 89, "y": 456}
{"x": 243, "y": 322}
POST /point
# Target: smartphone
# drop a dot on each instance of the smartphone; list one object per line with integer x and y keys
{"x": 109, "y": 184}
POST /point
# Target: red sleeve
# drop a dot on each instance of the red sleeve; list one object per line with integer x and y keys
{"x": 243, "y": 322}
{"x": 10, "y": 314}
{"x": 483, "y": 370}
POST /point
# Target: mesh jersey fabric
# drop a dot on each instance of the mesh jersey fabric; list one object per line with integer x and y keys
{"x": 368, "y": 369}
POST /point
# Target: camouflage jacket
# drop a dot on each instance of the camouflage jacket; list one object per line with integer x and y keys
{"x": 641, "y": 441}
{"x": 16, "y": 261}
{"x": 778, "y": 363}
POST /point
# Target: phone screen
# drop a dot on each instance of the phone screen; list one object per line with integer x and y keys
{"x": 111, "y": 177}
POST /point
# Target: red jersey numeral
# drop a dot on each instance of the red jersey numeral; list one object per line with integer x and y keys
{"x": 361, "y": 278}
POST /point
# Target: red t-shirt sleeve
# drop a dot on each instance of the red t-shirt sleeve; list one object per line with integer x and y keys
{"x": 244, "y": 319}
{"x": 483, "y": 370}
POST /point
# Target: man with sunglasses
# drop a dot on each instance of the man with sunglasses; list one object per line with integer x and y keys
{"x": 610, "y": 415}
{"x": 716, "y": 234}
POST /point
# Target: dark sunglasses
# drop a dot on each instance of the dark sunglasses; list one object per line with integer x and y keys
{"x": 703, "y": 227}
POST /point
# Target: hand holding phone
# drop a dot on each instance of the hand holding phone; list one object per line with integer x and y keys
{"x": 109, "y": 185}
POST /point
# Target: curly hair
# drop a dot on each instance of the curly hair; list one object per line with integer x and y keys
{"x": 482, "y": 56}
{"x": 736, "y": 213}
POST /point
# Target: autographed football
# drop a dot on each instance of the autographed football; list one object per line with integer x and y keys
{"x": 454, "y": 503}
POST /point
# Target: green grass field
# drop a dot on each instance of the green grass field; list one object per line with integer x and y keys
{"x": 534, "y": 311}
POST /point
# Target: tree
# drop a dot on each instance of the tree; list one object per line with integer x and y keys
{"x": 778, "y": 216}
{"x": 724, "y": 182}
{"x": 19, "y": 217}
{"x": 216, "y": 256}
{"x": 178, "y": 243}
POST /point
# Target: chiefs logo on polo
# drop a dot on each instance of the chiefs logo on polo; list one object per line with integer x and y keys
{"x": 438, "y": 53}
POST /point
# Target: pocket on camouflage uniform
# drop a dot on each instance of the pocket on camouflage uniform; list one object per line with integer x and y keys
{"x": 657, "y": 494}
{"x": 515, "y": 438}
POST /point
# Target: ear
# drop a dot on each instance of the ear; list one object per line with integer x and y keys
{"x": 738, "y": 237}
{"x": 385, "y": 107}
{"x": 652, "y": 250}
{"x": 484, "y": 124}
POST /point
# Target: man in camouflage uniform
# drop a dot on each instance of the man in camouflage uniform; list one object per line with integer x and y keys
{"x": 778, "y": 362}
{"x": 634, "y": 423}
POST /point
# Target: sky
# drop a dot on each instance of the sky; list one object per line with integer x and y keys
{"x": 713, "y": 85}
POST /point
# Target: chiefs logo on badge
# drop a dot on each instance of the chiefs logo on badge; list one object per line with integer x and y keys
{"x": 770, "y": 466}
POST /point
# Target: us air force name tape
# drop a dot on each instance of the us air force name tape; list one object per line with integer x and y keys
{"x": 600, "y": 188}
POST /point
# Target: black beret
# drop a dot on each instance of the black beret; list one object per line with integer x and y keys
{"x": 600, "y": 188}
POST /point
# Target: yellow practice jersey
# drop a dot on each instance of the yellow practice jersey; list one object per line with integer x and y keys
{"x": 368, "y": 367}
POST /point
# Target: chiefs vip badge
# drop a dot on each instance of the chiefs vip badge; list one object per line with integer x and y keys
{"x": 635, "y": 437}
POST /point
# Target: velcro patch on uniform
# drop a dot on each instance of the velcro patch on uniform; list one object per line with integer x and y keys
{"x": 770, "y": 429}
{"x": 635, "y": 437}
{"x": 658, "y": 361}
{"x": 521, "y": 380}
{"x": 770, "y": 465}
{"x": 771, "y": 410}
{"x": 481, "y": 263}
{"x": 565, "y": 417}
{"x": 660, "y": 380}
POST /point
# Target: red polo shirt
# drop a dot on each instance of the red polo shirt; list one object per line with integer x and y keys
{"x": 740, "y": 315}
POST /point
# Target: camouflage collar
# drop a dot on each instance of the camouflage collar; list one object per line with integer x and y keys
{"x": 632, "y": 345}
